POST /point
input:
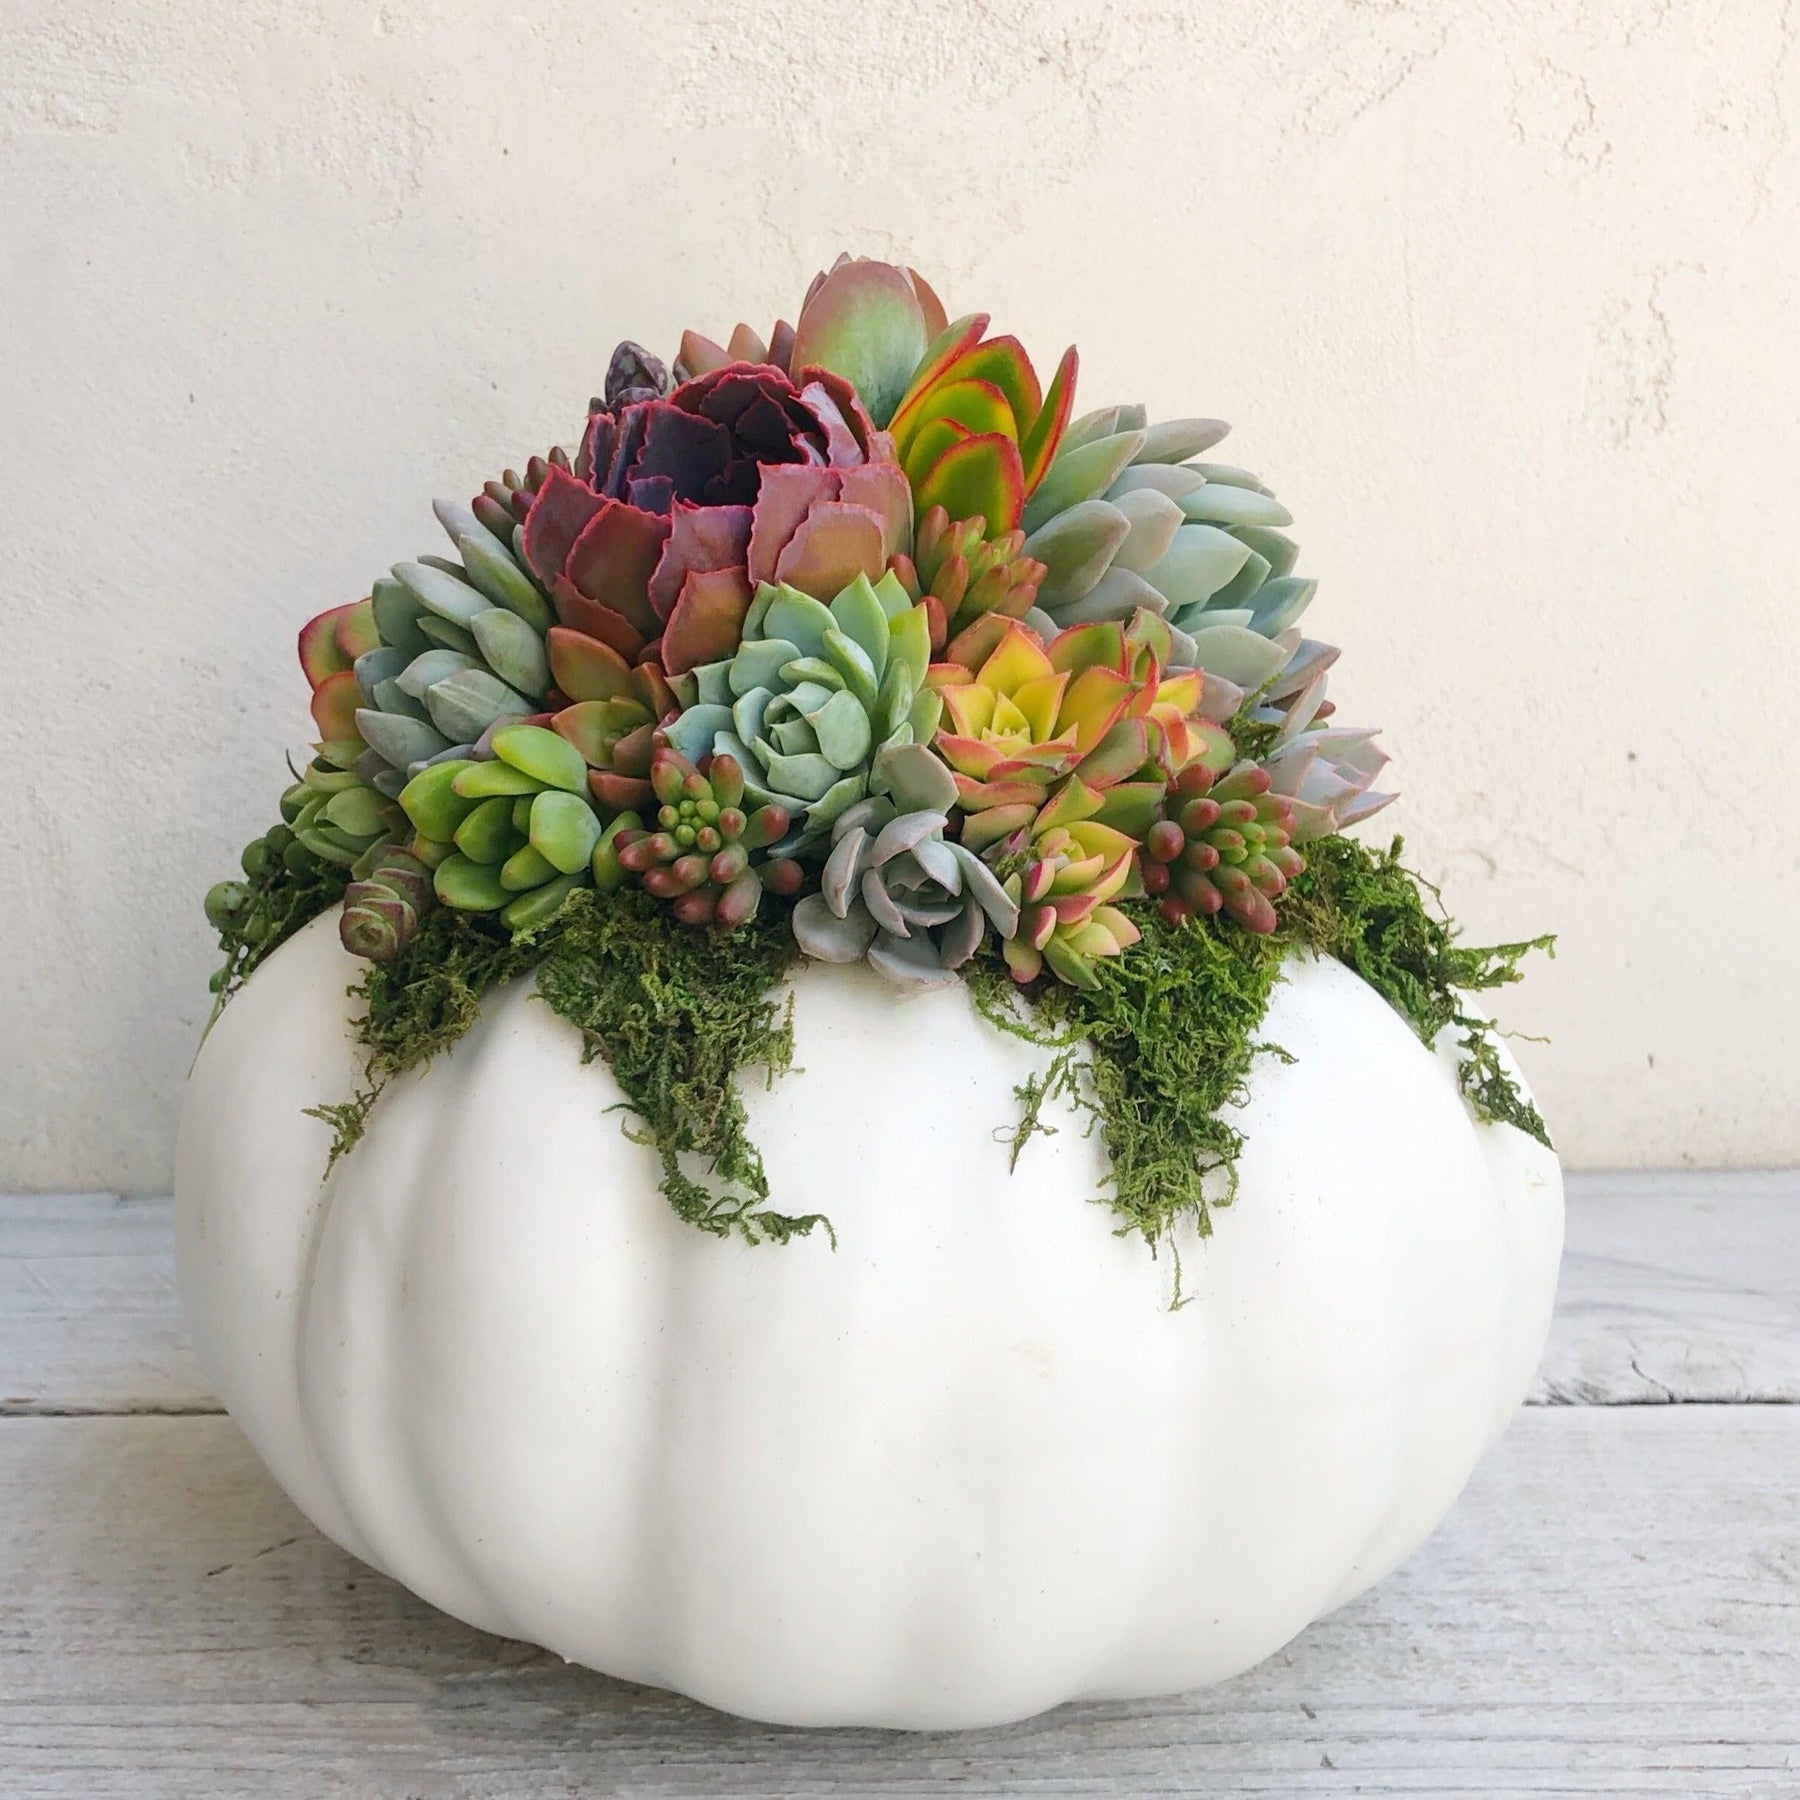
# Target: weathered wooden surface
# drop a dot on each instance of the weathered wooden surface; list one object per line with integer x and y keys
{"x": 1613, "y": 1607}
{"x": 1674, "y": 1287}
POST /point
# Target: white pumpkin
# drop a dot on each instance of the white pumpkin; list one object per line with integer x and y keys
{"x": 966, "y": 1467}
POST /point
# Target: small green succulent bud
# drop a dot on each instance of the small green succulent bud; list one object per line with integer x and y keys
{"x": 226, "y": 903}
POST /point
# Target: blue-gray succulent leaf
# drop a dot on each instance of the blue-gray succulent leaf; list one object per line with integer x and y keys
{"x": 938, "y": 860}
{"x": 881, "y": 905}
{"x": 962, "y": 936}
{"x": 759, "y": 664}
{"x": 918, "y": 780}
{"x": 843, "y": 731}
{"x": 985, "y": 889}
{"x": 906, "y": 831}
{"x": 695, "y": 731}
{"x": 843, "y": 870}
{"x": 823, "y": 935}
{"x": 909, "y": 963}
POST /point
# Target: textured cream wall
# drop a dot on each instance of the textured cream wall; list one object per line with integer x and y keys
{"x": 1501, "y": 293}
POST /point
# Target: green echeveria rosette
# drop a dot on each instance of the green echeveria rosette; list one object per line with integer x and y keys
{"x": 440, "y": 653}
{"x": 895, "y": 890}
{"x": 462, "y": 650}
{"x": 810, "y": 699}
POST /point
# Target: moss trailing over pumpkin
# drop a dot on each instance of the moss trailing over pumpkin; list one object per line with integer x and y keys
{"x": 1374, "y": 915}
{"x": 421, "y": 1003}
{"x": 676, "y": 1013}
{"x": 1165, "y": 1041}
{"x": 1156, "y": 1052}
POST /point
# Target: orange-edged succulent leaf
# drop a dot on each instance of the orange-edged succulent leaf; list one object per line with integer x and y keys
{"x": 1121, "y": 753}
{"x": 929, "y": 443}
{"x": 586, "y": 669}
{"x": 982, "y": 475}
{"x": 1038, "y": 445}
{"x": 355, "y": 631}
{"x": 323, "y": 651}
{"x": 1002, "y": 364}
{"x": 1019, "y": 657}
{"x": 978, "y": 406}
{"x": 334, "y": 706}
{"x": 977, "y": 640}
{"x": 945, "y": 348}
{"x": 1096, "y": 700}
{"x": 707, "y": 623}
{"x": 1099, "y": 645}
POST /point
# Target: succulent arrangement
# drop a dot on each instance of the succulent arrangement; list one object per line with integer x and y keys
{"x": 854, "y": 632}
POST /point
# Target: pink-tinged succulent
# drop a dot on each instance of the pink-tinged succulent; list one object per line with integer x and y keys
{"x": 1062, "y": 872}
{"x": 1223, "y": 846}
{"x": 677, "y": 508}
{"x": 699, "y": 856}
{"x": 1178, "y": 712}
{"x": 1326, "y": 775}
{"x": 970, "y": 584}
{"x": 329, "y": 647}
{"x": 501, "y": 505}
{"x": 867, "y": 321}
{"x": 975, "y": 432}
{"x": 614, "y": 708}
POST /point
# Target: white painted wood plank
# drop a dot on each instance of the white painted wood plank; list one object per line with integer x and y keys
{"x": 1675, "y": 1287}
{"x": 1612, "y": 1609}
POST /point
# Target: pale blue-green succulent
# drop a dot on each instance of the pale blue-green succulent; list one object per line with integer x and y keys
{"x": 1126, "y": 519}
{"x": 895, "y": 890}
{"x": 462, "y": 651}
{"x": 811, "y": 698}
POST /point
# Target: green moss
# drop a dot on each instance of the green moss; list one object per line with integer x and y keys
{"x": 422, "y": 1003}
{"x": 1166, "y": 1041}
{"x": 677, "y": 1014}
{"x": 1154, "y": 1054}
{"x": 1374, "y": 915}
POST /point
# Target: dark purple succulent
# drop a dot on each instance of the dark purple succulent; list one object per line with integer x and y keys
{"x": 653, "y": 543}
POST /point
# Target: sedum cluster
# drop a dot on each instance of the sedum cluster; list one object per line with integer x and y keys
{"x": 856, "y": 620}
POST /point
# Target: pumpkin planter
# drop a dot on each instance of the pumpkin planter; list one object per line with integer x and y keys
{"x": 967, "y": 1467}
{"x": 816, "y": 1107}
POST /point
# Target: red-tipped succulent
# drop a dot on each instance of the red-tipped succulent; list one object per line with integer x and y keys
{"x": 971, "y": 584}
{"x": 1223, "y": 846}
{"x": 699, "y": 856}
{"x": 613, "y": 712}
{"x": 329, "y": 647}
{"x": 676, "y": 508}
{"x": 975, "y": 432}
